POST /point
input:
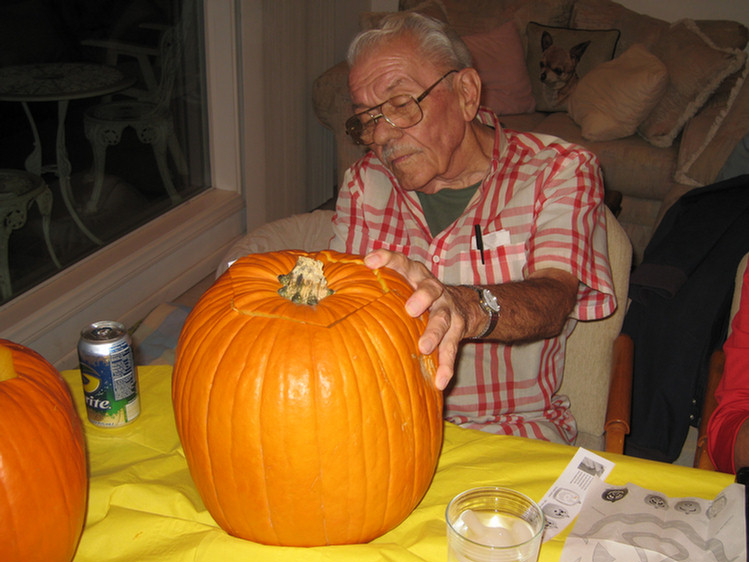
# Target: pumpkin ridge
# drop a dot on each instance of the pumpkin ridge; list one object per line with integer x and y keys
{"x": 353, "y": 390}
{"x": 212, "y": 458}
{"x": 370, "y": 501}
{"x": 40, "y": 400}
{"x": 404, "y": 358}
{"x": 261, "y": 367}
{"x": 193, "y": 340}
{"x": 404, "y": 433}
{"x": 41, "y": 437}
{"x": 320, "y": 469}
{"x": 16, "y": 527}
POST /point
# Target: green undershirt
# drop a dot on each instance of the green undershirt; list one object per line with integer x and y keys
{"x": 443, "y": 208}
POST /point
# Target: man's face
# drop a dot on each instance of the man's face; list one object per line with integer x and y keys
{"x": 423, "y": 153}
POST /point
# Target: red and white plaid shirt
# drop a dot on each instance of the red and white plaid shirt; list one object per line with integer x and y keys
{"x": 539, "y": 207}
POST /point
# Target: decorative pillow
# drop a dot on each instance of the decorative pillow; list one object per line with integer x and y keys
{"x": 616, "y": 96}
{"x": 499, "y": 59}
{"x": 711, "y": 135}
{"x": 696, "y": 67}
{"x": 558, "y": 57}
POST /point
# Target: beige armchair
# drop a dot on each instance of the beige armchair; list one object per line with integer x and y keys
{"x": 598, "y": 369}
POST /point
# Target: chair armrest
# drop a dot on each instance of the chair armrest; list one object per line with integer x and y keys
{"x": 715, "y": 373}
{"x": 619, "y": 406}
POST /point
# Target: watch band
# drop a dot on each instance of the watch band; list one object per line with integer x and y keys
{"x": 491, "y": 307}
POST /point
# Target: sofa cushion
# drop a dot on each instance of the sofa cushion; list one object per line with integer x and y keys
{"x": 696, "y": 67}
{"x": 600, "y": 48}
{"x": 616, "y": 96}
{"x": 725, "y": 34}
{"x": 523, "y": 121}
{"x": 473, "y": 16}
{"x": 500, "y": 61}
{"x": 711, "y": 135}
{"x": 605, "y": 14}
{"x": 630, "y": 165}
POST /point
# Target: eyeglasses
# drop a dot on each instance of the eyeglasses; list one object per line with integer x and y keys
{"x": 402, "y": 111}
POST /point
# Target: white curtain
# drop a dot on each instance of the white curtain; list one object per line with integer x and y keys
{"x": 300, "y": 40}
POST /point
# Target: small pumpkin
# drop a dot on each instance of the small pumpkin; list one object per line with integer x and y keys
{"x": 43, "y": 474}
{"x": 306, "y": 413}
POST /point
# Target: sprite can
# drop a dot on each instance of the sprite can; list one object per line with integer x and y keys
{"x": 110, "y": 383}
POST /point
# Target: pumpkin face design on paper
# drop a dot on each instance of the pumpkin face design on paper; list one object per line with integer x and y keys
{"x": 656, "y": 501}
{"x": 690, "y": 507}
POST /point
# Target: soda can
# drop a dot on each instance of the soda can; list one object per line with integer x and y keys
{"x": 110, "y": 382}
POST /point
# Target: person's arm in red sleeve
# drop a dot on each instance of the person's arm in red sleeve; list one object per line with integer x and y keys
{"x": 728, "y": 428}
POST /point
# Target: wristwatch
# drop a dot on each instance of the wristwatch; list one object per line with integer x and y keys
{"x": 488, "y": 303}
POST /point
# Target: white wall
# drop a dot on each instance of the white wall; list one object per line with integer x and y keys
{"x": 288, "y": 157}
{"x": 383, "y": 5}
{"x": 672, "y": 10}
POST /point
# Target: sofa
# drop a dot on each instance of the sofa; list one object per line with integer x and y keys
{"x": 662, "y": 104}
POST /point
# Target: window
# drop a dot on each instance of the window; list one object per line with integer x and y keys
{"x": 146, "y": 245}
{"x": 104, "y": 103}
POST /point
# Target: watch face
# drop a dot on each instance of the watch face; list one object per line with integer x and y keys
{"x": 490, "y": 300}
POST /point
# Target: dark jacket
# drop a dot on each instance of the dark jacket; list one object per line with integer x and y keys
{"x": 681, "y": 295}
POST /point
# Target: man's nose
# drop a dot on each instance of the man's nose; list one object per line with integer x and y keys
{"x": 384, "y": 131}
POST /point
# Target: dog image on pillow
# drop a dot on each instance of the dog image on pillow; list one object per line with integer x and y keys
{"x": 559, "y": 69}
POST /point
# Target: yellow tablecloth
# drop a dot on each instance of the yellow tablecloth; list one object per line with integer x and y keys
{"x": 144, "y": 507}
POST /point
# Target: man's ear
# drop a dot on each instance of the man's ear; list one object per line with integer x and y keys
{"x": 468, "y": 86}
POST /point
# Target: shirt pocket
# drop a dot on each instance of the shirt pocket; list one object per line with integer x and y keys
{"x": 501, "y": 264}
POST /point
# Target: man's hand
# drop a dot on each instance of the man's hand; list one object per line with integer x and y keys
{"x": 532, "y": 309}
{"x": 449, "y": 314}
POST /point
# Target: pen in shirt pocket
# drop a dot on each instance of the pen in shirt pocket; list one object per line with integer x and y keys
{"x": 479, "y": 241}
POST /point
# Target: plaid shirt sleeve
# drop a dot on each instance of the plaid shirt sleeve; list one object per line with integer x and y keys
{"x": 569, "y": 227}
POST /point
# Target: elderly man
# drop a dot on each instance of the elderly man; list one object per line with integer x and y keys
{"x": 501, "y": 234}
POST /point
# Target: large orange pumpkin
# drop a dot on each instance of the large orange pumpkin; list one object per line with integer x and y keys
{"x": 307, "y": 424}
{"x": 43, "y": 475}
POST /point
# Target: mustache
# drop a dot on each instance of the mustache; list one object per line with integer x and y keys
{"x": 391, "y": 152}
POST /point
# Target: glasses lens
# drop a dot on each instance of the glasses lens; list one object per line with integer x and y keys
{"x": 355, "y": 128}
{"x": 402, "y": 111}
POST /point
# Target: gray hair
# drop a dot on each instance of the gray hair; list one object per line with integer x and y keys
{"x": 437, "y": 41}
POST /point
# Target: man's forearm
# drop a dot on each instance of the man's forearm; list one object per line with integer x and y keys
{"x": 530, "y": 310}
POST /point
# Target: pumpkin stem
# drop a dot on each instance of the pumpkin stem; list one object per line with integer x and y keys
{"x": 306, "y": 283}
{"x": 7, "y": 371}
